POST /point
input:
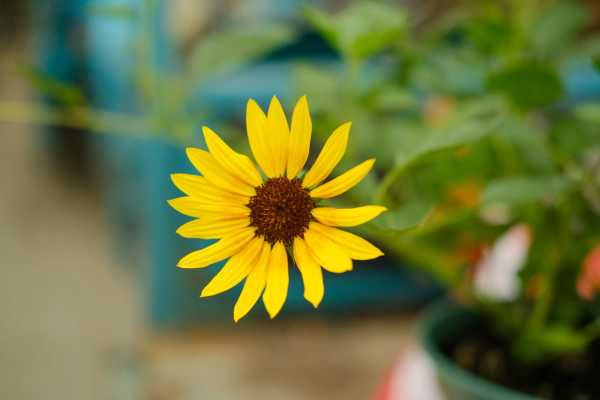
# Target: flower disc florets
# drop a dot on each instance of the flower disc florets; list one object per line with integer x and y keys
{"x": 280, "y": 210}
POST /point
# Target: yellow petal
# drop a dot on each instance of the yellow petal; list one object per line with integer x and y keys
{"x": 300, "y": 133}
{"x": 218, "y": 251}
{"x": 354, "y": 246}
{"x": 312, "y": 275}
{"x": 278, "y": 136}
{"x": 277, "y": 280}
{"x": 211, "y": 229}
{"x": 197, "y": 208}
{"x": 236, "y": 164}
{"x": 255, "y": 283}
{"x": 236, "y": 269}
{"x": 346, "y": 216}
{"x": 328, "y": 254}
{"x": 330, "y": 155}
{"x": 200, "y": 188}
{"x": 212, "y": 171}
{"x": 256, "y": 126}
{"x": 346, "y": 181}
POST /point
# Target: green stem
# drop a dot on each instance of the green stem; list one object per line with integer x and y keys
{"x": 445, "y": 220}
{"x": 386, "y": 184}
{"x": 422, "y": 256}
{"x": 592, "y": 331}
{"x": 506, "y": 154}
{"x": 542, "y": 306}
{"x": 97, "y": 121}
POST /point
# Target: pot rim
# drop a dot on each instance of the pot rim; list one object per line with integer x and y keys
{"x": 435, "y": 316}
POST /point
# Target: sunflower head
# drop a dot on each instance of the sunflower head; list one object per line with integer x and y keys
{"x": 259, "y": 217}
{"x": 281, "y": 210}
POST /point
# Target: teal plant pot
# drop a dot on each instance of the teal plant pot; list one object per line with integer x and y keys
{"x": 441, "y": 324}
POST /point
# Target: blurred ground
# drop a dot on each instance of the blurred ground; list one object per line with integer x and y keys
{"x": 64, "y": 301}
{"x": 282, "y": 360}
{"x": 71, "y": 325}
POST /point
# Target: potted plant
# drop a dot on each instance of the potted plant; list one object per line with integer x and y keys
{"x": 489, "y": 141}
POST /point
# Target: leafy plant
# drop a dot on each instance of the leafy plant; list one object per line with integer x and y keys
{"x": 464, "y": 113}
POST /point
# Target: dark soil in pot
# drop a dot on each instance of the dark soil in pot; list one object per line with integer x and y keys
{"x": 485, "y": 354}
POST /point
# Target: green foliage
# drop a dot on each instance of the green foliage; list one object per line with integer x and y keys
{"x": 406, "y": 217}
{"x": 451, "y": 71}
{"x": 463, "y": 120}
{"x": 527, "y": 84}
{"x": 63, "y": 93}
{"x": 574, "y": 135}
{"x": 556, "y": 28}
{"x": 530, "y": 144}
{"x": 468, "y": 124}
{"x": 224, "y": 50}
{"x": 360, "y": 30}
{"x": 588, "y": 112}
{"x": 550, "y": 342}
{"x": 320, "y": 83}
{"x": 488, "y": 34}
{"x": 523, "y": 190}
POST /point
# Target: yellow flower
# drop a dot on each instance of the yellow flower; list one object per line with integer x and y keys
{"x": 257, "y": 221}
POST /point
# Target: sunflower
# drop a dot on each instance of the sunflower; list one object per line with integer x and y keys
{"x": 258, "y": 218}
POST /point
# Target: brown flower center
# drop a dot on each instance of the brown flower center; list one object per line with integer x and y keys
{"x": 280, "y": 210}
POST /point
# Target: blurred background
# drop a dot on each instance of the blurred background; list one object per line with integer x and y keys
{"x": 98, "y": 99}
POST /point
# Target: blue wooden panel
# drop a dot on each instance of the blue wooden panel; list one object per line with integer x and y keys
{"x": 110, "y": 67}
{"x": 59, "y": 52}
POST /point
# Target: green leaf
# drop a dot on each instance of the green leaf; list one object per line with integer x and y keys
{"x": 392, "y": 99}
{"x": 556, "y": 27}
{"x": 596, "y": 62}
{"x": 586, "y": 47}
{"x": 522, "y": 190}
{"x": 406, "y": 217}
{"x": 225, "y": 50}
{"x": 527, "y": 84}
{"x": 489, "y": 34}
{"x": 531, "y": 143}
{"x": 360, "y": 30}
{"x": 467, "y": 125}
{"x": 459, "y": 71}
{"x": 324, "y": 24}
{"x": 63, "y": 92}
{"x": 551, "y": 341}
{"x": 320, "y": 83}
{"x": 573, "y": 136}
{"x": 588, "y": 112}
